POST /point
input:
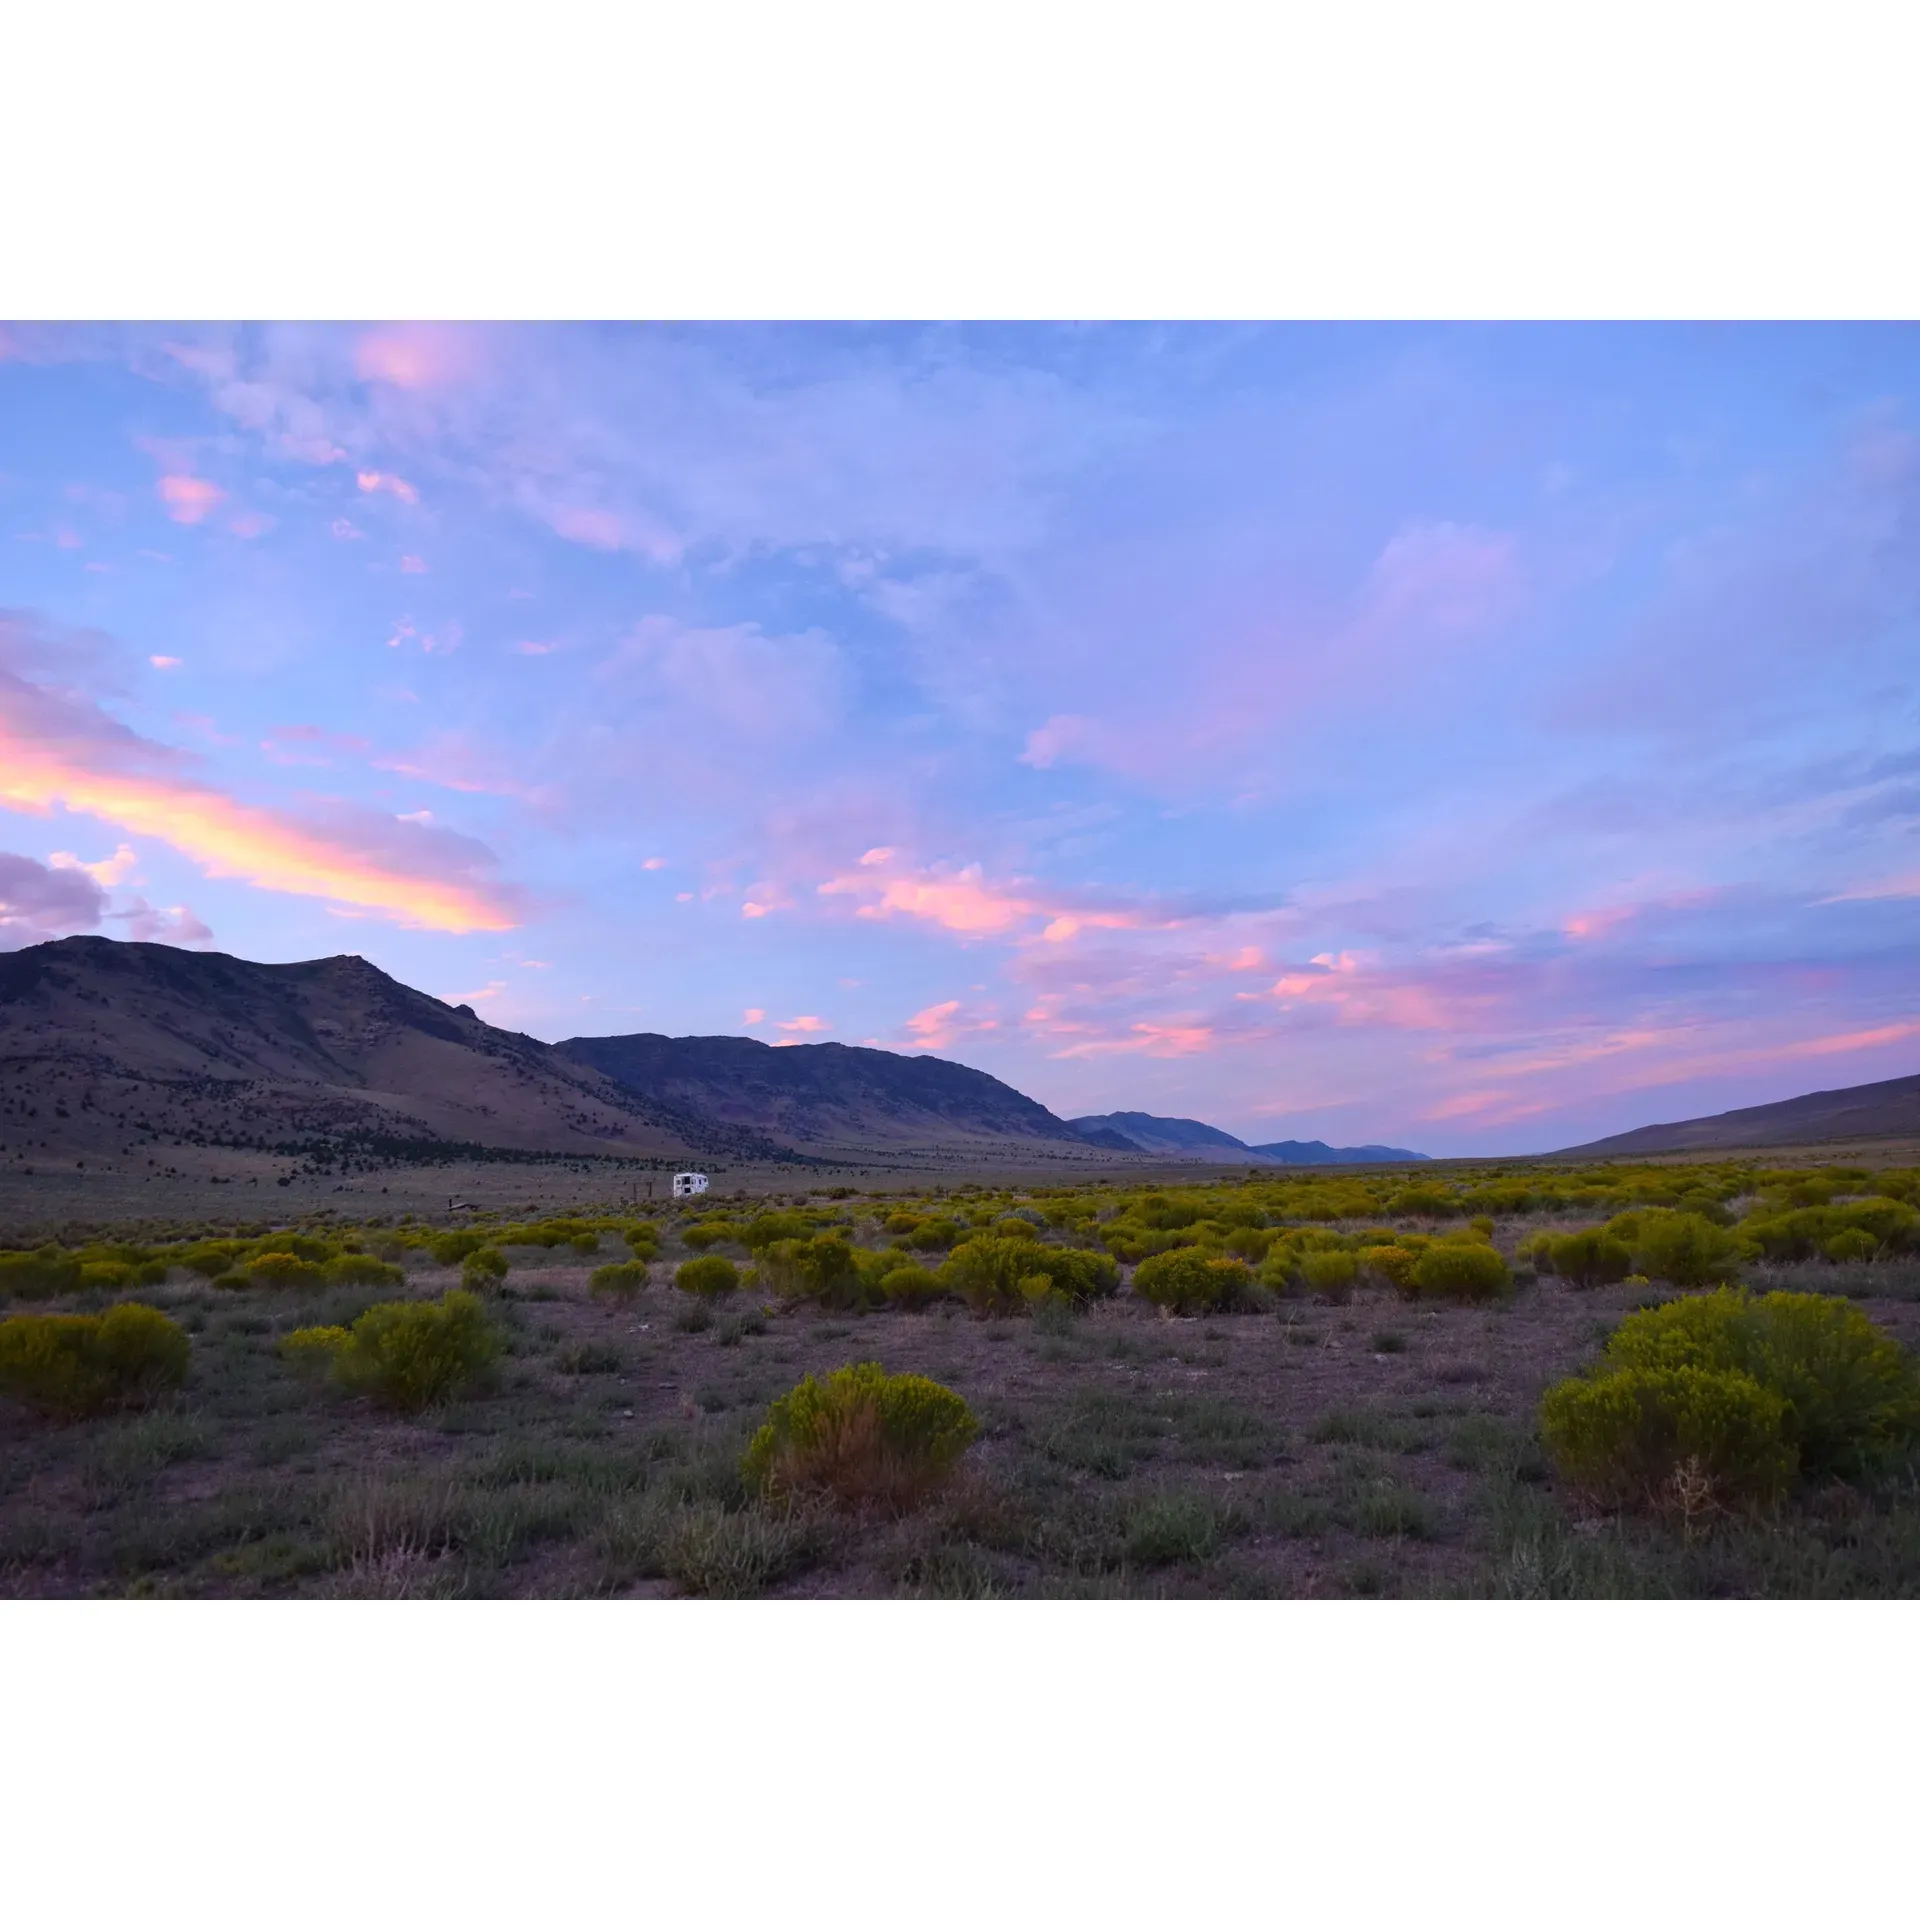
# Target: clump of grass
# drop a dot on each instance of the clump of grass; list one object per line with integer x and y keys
{"x": 695, "y": 1317}
{"x": 729, "y": 1554}
{"x": 1168, "y": 1528}
{"x": 1388, "y": 1341}
{"x": 586, "y": 1356}
{"x": 1387, "y": 1511}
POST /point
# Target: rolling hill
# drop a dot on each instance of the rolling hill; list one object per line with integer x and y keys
{"x": 1885, "y": 1109}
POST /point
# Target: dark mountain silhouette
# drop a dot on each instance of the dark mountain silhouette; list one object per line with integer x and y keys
{"x": 1316, "y": 1153}
{"x": 1194, "y": 1140}
{"x": 823, "y": 1097}
{"x": 1884, "y": 1109}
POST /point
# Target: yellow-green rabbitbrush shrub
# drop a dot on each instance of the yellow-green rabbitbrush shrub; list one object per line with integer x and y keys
{"x": 708, "y": 1277}
{"x": 860, "y": 1437}
{"x": 407, "y": 1355}
{"x": 1852, "y": 1392}
{"x": 1459, "y": 1270}
{"x": 1744, "y": 1394}
{"x": 622, "y": 1280}
{"x": 1629, "y": 1436}
{"x": 75, "y": 1364}
{"x": 1190, "y": 1280}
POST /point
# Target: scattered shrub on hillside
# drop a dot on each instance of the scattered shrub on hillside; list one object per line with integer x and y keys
{"x": 449, "y": 1249}
{"x": 285, "y": 1270}
{"x": 1656, "y": 1436}
{"x": 861, "y": 1437}
{"x": 902, "y": 1222}
{"x": 709, "y": 1233}
{"x": 708, "y": 1277}
{"x": 621, "y": 1281}
{"x": 1684, "y": 1250}
{"x": 1188, "y": 1280}
{"x": 74, "y": 1364}
{"x": 483, "y": 1269}
{"x": 409, "y": 1355}
{"x": 1459, "y": 1270}
{"x": 208, "y": 1262}
{"x": 644, "y": 1240}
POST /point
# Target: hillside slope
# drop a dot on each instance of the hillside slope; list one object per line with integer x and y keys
{"x": 108, "y": 1044}
{"x": 823, "y": 1096}
{"x": 1884, "y": 1109}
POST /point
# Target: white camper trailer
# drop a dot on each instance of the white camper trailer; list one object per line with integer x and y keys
{"x": 686, "y": 1185}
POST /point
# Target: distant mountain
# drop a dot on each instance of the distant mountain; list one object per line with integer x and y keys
{"x": 1149, "y": 1133}
{"x": 1316, "y": 1153}
{"x": 824, "y": 1097}
{"x": 109, "y": 1045}
{"x": 1885, "y": 1109}
{"x": 1194, "y": 1140}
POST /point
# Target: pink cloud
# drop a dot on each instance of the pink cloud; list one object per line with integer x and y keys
{"x": 968, "y": 904}
{"x": 164, "y": 661}
{"x": 805, "y": 1023}
{"x": 375, "y": 482}
{"x": 415, "y": 358}
{"x": 250, "y": 526}
{"x": 412, "y": 563}
{"x": 940, "y": 1025}
{"x": 753, "y": 1016}
{"x": 188, "y": 499}
{"x": 1158, "y": 1039}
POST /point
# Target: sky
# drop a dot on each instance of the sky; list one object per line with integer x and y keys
{"x": 1470, "y": 738}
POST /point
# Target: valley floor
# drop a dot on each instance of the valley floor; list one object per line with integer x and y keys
{"x": 1375, "y": 1447}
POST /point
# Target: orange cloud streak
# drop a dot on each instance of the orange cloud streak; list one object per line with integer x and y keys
{"x": 228, "y": 838}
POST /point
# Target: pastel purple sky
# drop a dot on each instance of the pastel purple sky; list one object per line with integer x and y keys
{"x": 1471, "y": 738}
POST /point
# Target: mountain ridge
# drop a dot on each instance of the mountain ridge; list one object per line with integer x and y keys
{"x": 1195, "y": 1140}
{"x": 1879, "y": 1109}
{"x": 111, "y": 1049}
